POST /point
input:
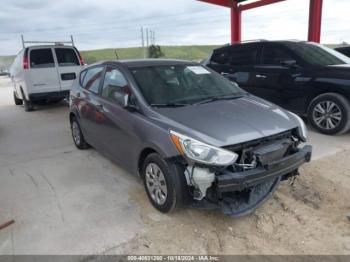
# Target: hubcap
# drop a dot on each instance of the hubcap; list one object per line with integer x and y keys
{"x": 327, "y": 115}
{"x": 76, "y": 133}
{"x": 156, "y": 184}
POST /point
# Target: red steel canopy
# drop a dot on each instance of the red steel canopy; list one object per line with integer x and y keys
{"x": 237, "y": 6}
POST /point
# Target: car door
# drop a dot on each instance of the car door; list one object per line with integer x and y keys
{"x": 276, "y": 76}
{"x": 68, "y": 66}
{"x": 91, "y": 113}
{"x": 237, "y": 63}
{"x": 117, "y": 128}
{"x": 42, "y": 71}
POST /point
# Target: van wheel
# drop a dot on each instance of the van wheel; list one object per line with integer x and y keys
{"x": 164, "y": 183}
{"x": 330, "y": 114}
{"x": 77, "y": 135}
{"x": 18, "y": 101}
{"x": 28, "y": 106}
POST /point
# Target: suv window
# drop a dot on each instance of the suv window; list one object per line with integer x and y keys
{"x": 66, "y": 57}
{"x": 41, "y": 58}
{"x": 220, "y": 57}
{"x": 274, "y": 55}
{"x": 244, "y": 55}
{"x": 92, "y": 79}
{"x": 114, "y": 81}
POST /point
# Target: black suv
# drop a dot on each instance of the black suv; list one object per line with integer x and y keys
{"x": 306, "y": 78}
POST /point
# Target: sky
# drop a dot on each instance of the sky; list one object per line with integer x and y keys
{"x": 117, "y": 23}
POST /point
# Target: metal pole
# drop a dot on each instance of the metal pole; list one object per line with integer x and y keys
{"x": 147, "y": 38}
{"x": 315, "y": 20}
{"x": 72, "y": 40}
{"x": 143, "y": 43}
{"x": 22, "y": 41}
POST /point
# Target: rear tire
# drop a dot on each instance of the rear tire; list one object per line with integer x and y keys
{"x": 18, "y": 101}
{"x": 77, "y": 135}
{"x": 330, "y": 114}
{"x": 164, "y": 183}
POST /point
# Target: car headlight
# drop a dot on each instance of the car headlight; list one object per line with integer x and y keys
{"x": 302, "y": 127}
{"x": 201, "y": 152}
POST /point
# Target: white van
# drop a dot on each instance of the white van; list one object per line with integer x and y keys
{"x": 44, "y": 73}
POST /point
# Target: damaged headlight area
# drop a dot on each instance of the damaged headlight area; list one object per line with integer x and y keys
{"x": 202, "y": 153}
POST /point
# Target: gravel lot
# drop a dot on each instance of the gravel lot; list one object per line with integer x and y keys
{"x": 66, "y": 201}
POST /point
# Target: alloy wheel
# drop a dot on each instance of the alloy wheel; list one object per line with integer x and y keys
{"x": 327, "y": 115}
{"x": 76, "y": 133}
{"x": 156, "y": 184}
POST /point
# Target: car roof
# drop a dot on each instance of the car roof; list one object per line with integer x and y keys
{"x": 249, "y": 42}
{"x": 147, "y": 62}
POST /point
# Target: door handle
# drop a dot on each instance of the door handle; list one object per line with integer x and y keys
{"x": 224, "y": 74}
{"x": 261, "y": 76}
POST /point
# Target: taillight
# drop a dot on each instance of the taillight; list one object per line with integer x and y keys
{"x": 25, "y": 61}
{"x": 81, "y": 59}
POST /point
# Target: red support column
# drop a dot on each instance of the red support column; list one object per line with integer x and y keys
{"x": 236, "y": 15}
{"x": 315, "y": 20}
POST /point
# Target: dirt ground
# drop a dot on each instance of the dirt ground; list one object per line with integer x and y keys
{"x": 308, "y": 218}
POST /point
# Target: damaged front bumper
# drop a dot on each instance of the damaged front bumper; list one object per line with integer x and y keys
{"x": 236, "y": 181}
{"x": 240, "y": 193}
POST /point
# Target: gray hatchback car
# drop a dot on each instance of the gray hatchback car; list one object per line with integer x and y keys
{"x": 195, "y": 138}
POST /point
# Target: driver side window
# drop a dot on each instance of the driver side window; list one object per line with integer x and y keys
{"x": 114, "y": 84}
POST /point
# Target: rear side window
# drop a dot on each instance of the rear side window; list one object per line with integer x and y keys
{"x": 244, "y": 55}
{"x": 92, "y": 79}
{"x": 273, "y": 55}
{"x": 66, "y": 57}
{"x": 41, "y": 58}
{"x": 220, "y": 57}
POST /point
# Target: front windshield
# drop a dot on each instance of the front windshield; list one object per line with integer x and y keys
{"x": 182, "y": 84}
{"x": 317, "y": 54}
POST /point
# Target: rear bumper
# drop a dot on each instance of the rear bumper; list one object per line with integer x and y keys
{"x": 229, "y": 181}
{"x": 48, "y": 95}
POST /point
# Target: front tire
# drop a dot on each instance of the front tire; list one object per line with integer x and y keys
{"x": 18, "y": 101}
{"x": 330, "y": 114}
{"x": 164, "y": 183}
{"x": 28, "y": 106}
{"x": 77, "y": 135}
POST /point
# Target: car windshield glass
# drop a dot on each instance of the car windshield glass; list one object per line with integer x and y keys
{"x": 317, "y": 54}
{"x": 181, "y": 85}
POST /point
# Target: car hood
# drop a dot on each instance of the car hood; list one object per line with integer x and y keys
{"x": 228, "y": 122}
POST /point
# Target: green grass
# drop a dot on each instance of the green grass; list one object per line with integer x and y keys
{"x": 192, "y": 52}
{"x": 176, "y": 52}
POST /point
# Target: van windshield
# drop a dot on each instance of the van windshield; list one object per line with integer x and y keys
{"x": 183, "y": 85}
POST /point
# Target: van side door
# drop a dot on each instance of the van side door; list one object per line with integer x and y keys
{"x": 42, "y": 74}
{"x": 68, "y": 66}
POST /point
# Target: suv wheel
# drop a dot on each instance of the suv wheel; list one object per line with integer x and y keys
{"x": 164, "y": 183}
{"x": 77, "y": 135}
{"x": 329, "y": 114}
{"x": 18, "y": 101}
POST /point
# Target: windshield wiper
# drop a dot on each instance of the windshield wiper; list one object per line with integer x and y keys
{"x": 169, "y": 105}
{"x": 218, "y": 98}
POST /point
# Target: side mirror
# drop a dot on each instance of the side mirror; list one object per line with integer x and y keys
{"x": 124, "y": 100}
{"x": 121, "y": 98}
{"x": 289, "y": 63}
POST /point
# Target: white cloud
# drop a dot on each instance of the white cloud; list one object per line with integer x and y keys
{"x": 110, "y": 23}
